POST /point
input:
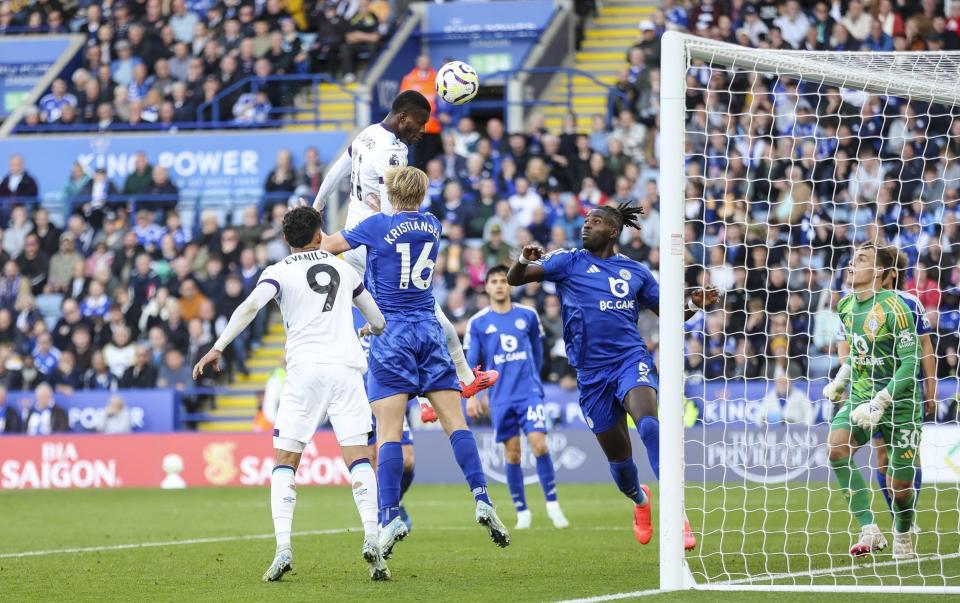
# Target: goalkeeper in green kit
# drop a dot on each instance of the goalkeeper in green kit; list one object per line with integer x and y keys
{"x": 884, "y": 397}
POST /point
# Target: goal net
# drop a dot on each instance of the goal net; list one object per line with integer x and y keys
{"x": 775, "y": 166}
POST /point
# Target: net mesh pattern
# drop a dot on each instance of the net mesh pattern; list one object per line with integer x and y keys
{"x": 793, "y": 160}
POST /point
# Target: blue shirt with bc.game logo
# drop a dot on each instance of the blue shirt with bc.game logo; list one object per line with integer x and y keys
{"x": 600, "y": 304}
{"x": 401, "y": 254}
{"x": 511, "y": 343}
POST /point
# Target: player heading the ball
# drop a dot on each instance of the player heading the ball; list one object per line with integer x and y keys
{"x": 377, "y": 149}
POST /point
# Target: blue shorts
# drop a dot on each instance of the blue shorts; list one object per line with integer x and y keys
{"x": 510, "y": 417}
{"x": 603, "y": 390}
{"x": 410, "y": 358}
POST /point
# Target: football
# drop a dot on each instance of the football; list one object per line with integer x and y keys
{"x": 457, "y": 83}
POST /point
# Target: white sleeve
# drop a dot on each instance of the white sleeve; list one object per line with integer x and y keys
{"x": 385, "y": 206}
{"x": 245, "y": 313}
{"x": 371, "y": 312}
{"x": 336, "y": 173}
{"x": 386, "y": 160}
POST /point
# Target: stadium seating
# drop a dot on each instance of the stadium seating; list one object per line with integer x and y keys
{"x": 606, "y": 152}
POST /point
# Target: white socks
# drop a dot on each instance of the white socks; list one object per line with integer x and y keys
{"x": 464, "y": 372}
{"x": 364, "y": 483}
{"x": 283, "y": 499}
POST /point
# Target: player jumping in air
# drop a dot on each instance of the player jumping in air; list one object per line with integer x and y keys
{"x": 892, "y": 280}
{"x": 509, "y": 337}
{"x": 601, "y": 295}
{"x": 411, "y": 357}
{"x": 325, "y": 364}
{"x": 374, "y": 151}
{"x": 884, "y": 396}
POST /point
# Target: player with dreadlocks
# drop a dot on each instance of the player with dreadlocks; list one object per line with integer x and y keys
{"x": 601, "y": 296}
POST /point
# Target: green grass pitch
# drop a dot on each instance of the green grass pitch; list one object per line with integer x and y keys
{"x": 447, "y": 556}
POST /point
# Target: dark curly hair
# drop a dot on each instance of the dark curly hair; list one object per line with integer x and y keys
{"x": 623, "y": 215}
{"x": 300, "y": 224}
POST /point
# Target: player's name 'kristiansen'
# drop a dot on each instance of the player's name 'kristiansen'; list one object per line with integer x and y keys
{"x": 403, "y": 227}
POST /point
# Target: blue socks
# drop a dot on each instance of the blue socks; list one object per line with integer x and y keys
{"x": 405, "y": 480}
{"x": 515, "y": 485}
{"x": 649, "y": 429}
{"x": 548, "y": 481}
{"x": 465, "y": 451}
{"x": 625, "y": 476}
{"x": 389, "y": 475}
{"x": 917, "y": 482}
{"x": 548, "y": 478}
{"x": 882, "y": 482}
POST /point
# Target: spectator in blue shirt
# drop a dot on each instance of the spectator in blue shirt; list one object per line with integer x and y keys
{"x": 122, "y": 67}
{"x": 878, "y": 40}
{"x": 51, "y": 105}
{"x": 45, "y": 356}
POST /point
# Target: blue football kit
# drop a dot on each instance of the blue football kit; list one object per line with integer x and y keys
{"x": 601, "y": 300}
{"x": 358, "y": 322}
{"x": 408, "y": 358}
{"x": 411, "y": 356}
{"x": 511, "y": 343}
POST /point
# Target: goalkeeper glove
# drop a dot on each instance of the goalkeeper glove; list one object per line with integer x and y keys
{"x": 868, "y": 414}
{"x": 836, "y": 388}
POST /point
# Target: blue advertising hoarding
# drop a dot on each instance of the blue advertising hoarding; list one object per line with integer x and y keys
{"x": 203, "y": 165}
{"x": 151, "y": 410}
{"x": 491, "y": 36}
{"x": 23, "y": 62}
{"x": 741, "y": 401}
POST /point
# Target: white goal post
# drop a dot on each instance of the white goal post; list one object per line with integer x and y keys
{"x": 778, "y": 557}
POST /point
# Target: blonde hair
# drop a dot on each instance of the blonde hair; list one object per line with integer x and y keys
{"x": 406, "y": 187}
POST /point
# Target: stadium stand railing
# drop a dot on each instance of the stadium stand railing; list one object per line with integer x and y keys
{"x": 567, "y": 80}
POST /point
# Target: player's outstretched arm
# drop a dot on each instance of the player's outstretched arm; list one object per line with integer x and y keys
{"x": 524, "y": 270}
{"x": 335, "y": 243}
{"x": 337, "y": 172}
{"x": 376, "y": 323}
{"x": 239, "y": 320}
{"x": 700, "y": 299}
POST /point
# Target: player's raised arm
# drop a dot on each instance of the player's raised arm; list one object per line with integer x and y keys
{"x": 337, "y": 172}
{"x": 241, "y": 318}
{"x": 524, "y": 270}
{"x": 335, "y": 244}
{"x": 358, "y": 235}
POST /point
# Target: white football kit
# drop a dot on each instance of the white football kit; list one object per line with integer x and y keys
{"x": 325, "y": 363}
{"x": 374, "y": 151}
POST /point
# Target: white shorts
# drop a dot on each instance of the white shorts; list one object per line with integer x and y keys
{"x": 357, "y": 258}
{"x": 313, "y": 392}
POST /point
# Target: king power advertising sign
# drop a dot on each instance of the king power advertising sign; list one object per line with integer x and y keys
{"x": 207, "y": 165}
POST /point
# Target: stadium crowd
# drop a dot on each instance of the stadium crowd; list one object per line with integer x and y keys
{"x": 775, "y": 201}
{"x": 166, "y": 63}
